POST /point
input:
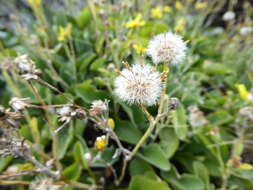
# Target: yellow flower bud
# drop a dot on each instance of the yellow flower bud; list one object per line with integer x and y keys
{"x": 100, "y": 143}
{"x": 156, "y": 12}
{"x": 36, "y": 3}
{"x": 139, "y": 49}
{"x": 243, "y": 92}
{"x": 200, "y": 5}
{"x": 179, "y": 5}
{"x": 64, "y": 32}
{"x": 111, "y": 123}
{"x": 166, "y": 9}
{"x": 137, "y": 22}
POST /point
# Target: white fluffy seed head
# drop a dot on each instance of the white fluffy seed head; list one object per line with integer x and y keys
{"x": 228, "y": 16}
{"x": 139, "y": 84}
{"x": 167, "y": 48}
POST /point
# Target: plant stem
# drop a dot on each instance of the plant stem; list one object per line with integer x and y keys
{"x": 54, "y": 136}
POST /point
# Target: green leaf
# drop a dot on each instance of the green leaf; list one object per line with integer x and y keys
{"x": 127, "y": 132}
{"x": 216, "y": 68}
{"x": 201, "y": 171}
{"x": 220, "y": 117}
{"x": 168, "y": 141}
{"x": 65, "y": 138}
{"x": 191, "y": 182}
{"x": 143, "y": 183}
{"x": 89, "y": 93}
{"x": 179, "y": 121}
{"x": 98, "y": 63}
{"x": 72, "y": 172}
{"x": 84, "y": 18}
{"x": 138, "y": 167}
{"x": 79, "y": 154}
{"x": 153, "y": 154}
{"x": 4, "y": 162}
{"x": 33, "y": 124}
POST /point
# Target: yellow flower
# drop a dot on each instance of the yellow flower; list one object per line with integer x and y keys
{"x": 243, "y": 92}
{"x": 157, "y": 12}
{"x": 139, "y": 49}
{"x": 166, "y": 9}
{"x": 111, "y": 123}
{"x": 246, "y": 166}
{"x": 64, "y": 32}
{"x": 200, "y": 5}
{"x": 35, "y": 2}
{"x": 135, "y": 22}
{"x": 179, "y": 5}
{"x": 100, "y": 143}
{"x": 180, "y": 25}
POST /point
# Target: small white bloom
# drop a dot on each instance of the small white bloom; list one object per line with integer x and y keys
{"x": 19, "y": 104}
{"x": 229, "y": 15}
{"x": 140, "y": 84}
{"x": 167, "y": 48}
{"x": 246, "y": 30}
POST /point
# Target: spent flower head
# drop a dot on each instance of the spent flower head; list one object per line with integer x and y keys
{"x": 44, "y": 184}
{"x": 19, "y": 104}
{"x": 26, "y": 67}
{"x": 139, "y": 84}
{"x": 167, "y": 48}
{"x": 98, "y": 107}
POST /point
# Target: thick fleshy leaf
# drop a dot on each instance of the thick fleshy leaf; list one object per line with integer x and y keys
{"x": 143, "y": 183}
{"x": 153, "y": 154}
{"x": 179, "y": 121}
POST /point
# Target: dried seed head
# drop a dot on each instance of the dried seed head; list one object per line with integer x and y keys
{"x": 196, "y": 117}
{"x": 19, "y": 104}
{"x": 80, "y": 114}
{"x": 65, "y": 113}
{"x": 234, "y": 162}
{"x": 139, "y": 84}
{"x": 167, "y": 48}
{"x": 45, "y": 184}
{"x": 173, "y": 103}
{"x": 12, "y": 147}
{"x": 98, "y": 107}
{"x": 26, "y": 67}
{"x": 247, "y": 112}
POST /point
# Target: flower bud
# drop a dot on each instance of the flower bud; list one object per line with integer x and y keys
{"x": 100, "y": 143}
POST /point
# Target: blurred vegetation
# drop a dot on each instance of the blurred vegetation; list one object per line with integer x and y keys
{"x": 207, "y": 143}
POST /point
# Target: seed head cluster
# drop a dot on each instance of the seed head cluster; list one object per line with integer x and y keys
{"x": 167, "y": 48}
{"x": 139, "y": 84}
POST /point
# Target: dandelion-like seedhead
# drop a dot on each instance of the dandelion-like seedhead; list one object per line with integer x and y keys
{"x": 140, "y": 84}
{"x": 167, "y": 48}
